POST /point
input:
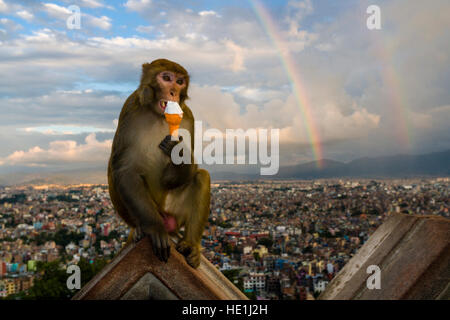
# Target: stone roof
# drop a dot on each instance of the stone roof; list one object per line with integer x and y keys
{"x": 136, "y": 274}
{"x": 413, "y": 254}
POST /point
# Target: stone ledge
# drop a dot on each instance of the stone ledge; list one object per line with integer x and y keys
{"x": 135, "y": 273}
{"x": 413, "y": 253}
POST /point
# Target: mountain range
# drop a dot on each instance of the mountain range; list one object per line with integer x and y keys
{"x": 398, "y": 166}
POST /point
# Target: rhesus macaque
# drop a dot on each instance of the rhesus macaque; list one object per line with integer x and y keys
{"x": 152, "y": 194}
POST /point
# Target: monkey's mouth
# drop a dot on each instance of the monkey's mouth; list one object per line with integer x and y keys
{"x": 163, "y": 104}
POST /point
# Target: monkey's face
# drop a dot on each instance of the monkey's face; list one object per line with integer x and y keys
{"x": 172, "y": 86}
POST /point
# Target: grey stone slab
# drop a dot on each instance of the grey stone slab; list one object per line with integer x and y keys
{"x": 149, "y": 287}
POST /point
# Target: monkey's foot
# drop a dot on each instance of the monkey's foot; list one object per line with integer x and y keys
{"x": 138, "y": 234}
{"x": 190, "y": 252}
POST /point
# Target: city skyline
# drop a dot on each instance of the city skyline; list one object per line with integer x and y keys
{"x": 273, "y": 239}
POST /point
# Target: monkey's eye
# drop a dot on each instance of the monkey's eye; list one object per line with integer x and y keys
{"x": 166, "y": 77}
{"x": 180, "y": 81}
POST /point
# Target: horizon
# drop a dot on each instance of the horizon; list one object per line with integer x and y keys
{"x": 240, "y": 173}
{"x": 221, "y": 182}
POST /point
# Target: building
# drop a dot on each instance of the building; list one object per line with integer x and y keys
{"x": 273, "y": 285}
{"x": 320, "y": 285}
{"x": 3, "y": 292}
{"x": 26, "y": 283}
{"x": 3, "y": 269}
{"x": 261, "y": 251}
{"x": 255, "y": 282}
{"x": 269, "y": 263}
{"x": 12, "y": 286}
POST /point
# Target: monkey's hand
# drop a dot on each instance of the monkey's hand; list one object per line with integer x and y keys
{"x": 167, "y": 145}
{"x": 160, "y": 241}
{"x": 175, "y": 175}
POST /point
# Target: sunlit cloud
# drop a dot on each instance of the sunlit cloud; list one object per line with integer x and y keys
{"x": 62, "y": 152}
{"x": 65, "y": 129}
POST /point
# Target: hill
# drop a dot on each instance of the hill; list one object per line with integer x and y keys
{"x": 398, "y": 166}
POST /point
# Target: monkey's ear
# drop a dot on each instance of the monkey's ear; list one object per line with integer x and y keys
{"x": 145, "y": 95}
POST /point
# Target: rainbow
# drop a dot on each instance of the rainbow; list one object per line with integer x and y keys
{"x": 393, "y": 84}
{"x": 294, "y": 77}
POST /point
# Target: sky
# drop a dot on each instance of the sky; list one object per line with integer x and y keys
{"x": 313, "y": 69}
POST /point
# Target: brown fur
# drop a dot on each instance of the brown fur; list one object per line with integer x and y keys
{"x": 143, "y": 182}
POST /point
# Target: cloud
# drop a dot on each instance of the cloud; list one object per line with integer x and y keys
{"x": 359, "y": 85}
{"x": 138, "y": 5}
{"x": 206, "y": 13}
{"x": 56, "y": 11}
{"x": 62, "y": 152}
{"x": 145, "y": 29}
{"x": 66, "y": 129}
{"x": 49, "y": 52}
{"x": 3, "y": 7}
{"x": 10, "y": 25}
{"x": 81, "y": 108}
{"x": 24, "y": 14}
{"x": 257, "y": 94}
{"x": 62, "y": 13}
{"x": 92, "y": 4}
{"x": 219, "y": 110}
{"x": 238, "y": 60}
{"x": 103, "y": 22}
{"x": 298, "y": 10}
{"x": 18, "y": 8}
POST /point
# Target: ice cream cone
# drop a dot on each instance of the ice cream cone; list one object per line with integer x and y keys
{"x": 174, "y": 121}
{"x": 174, "y": 115}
